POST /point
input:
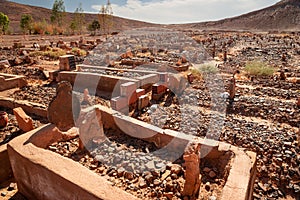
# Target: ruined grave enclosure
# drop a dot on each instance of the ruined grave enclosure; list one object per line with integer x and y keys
{"x": 138, "y": 56}
{"x": 42, "y": 174}
{"x": 105, "y": 85}
{"x": 9, "y": 81}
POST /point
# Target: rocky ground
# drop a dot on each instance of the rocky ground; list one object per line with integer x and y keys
{"x": 132, "y": 165}
{"x": 263, "y": 118}
{"x": 12, "y": 130}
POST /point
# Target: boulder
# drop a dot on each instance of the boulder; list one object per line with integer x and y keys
{"x": 64, "y": 109}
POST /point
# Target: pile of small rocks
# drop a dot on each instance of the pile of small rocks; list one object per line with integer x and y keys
{"x": 134, "y": 166}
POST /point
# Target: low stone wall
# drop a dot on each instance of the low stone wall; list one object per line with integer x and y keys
{"x": 42, "y": 174}
{"x": 240, "y": 182}
{"x": 8, "y": 81}
{"x": 105, "y": 83}
{"x": 92, "y": 67}
{"x": 28, "y": 107}
{"x": 5, "y": 167}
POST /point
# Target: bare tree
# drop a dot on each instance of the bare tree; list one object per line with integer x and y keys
{"x": 106, "y": 18}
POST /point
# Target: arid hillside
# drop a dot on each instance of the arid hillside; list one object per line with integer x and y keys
{"x": 15, "y": 11}
{"x": 283, "y": 16}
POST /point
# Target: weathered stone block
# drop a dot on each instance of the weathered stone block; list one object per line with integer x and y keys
{"x": 119, "y": 103}
{"x": 157, "y": 97}
{"x": 148, "y": 79}
{"x": 67, "y": 62}
{"x": 90, "y": 127}
{"x": 158, "y": 89}
{"x": 192, "y": 175}
{"x": 25, "y": 122}
{"x": 163, "y": 77}
{"x": 42, "y": 174}
{"x": 133, "y": 99}
{"x": 143, "y": 101}
{"x": 53, "y": 75}
{"x": 177, "y": 83}
{"x": 127, "y": 89}
{"x": 140, "y": 92}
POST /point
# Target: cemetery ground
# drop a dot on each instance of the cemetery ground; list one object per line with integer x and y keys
{"x": 263, "y": 117}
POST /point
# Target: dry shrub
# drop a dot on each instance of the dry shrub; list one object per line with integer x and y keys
{"x": 258, "y": 68}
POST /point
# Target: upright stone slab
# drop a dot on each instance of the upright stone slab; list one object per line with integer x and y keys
{"x": 67, "y": 63}
{"x": 64, "y": 109}
{"x": 192, "y": 173}
{"x": 90, "y": 127}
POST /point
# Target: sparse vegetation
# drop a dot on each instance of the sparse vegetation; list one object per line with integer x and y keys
{"x": 93, "y": 27}
{"x": 26, "y": 23}
{"x": 208, "y": 69}
{"x": 77, "y": 23}
{"x": 58, "y": 12}
{"x": 79, "y": 52}
{"x": 4, "y": 22}
{"x": 258, "y": 68}
{"x": 79, "y": 18}
{"x": 52, "y": 53}
{"x": 42, "y": 28}
{"x": 106, "y": 18}
{"x": 196, "y": 73}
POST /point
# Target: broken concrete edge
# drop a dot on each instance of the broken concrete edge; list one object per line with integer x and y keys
{"x": 240, "y": 181}
{"x": 113, "y": 82}
{"x": 28, "y": 107}
{"x": 5, "y": 167}
{"x": 9, "y": 76}
{"x": 48, "y": 134}
{"x": 10, "y": 81}
{"x": 92, "y": 81}
{"x": 42, "y": 174}
{"x": 239, "y": 184}
{"x": 142, "y": 72}
{"x": 242, "y": 174}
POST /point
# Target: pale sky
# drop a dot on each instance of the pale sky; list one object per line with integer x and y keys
{"x": 166, "y": 11}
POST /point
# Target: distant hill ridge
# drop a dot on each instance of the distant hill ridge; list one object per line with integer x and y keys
{"x": 16, "y": 10}
{"x": 282, "y": 16}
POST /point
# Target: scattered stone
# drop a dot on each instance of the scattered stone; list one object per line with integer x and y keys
{"x": 3, "y": 194}
{"x": 120, "y": 171}
{"x": 212, "y": 198}
{"x": 3, "y": 119}
{"x": 207, "y": 186}
{"x": 176, "y": 169}
{"x": 212, "y": 174}
{"x": 4, "y": 64}
{"x": 174, "y": 176}
{"x": 149, "y": 178}
{"x": 206, "y": 170}
{"x": 156, "y": 182}
{"x": 25, "y": 122}
{"x": 169, "y": 195}
{"x": 129, "y": 175}
{"x": 12, "y": 186}
{"x": 142, "y": 183}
